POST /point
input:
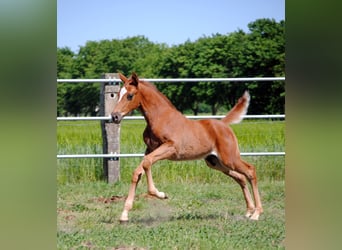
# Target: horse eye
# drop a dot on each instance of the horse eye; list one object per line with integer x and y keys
{"x": 129, "y": 97}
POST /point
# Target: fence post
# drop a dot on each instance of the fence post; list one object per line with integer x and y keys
{"x": 110, "y": 130}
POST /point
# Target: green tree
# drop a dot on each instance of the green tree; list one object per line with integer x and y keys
{"x": 177, "y": 63}
{"x": 257, "y": 53}
{"x": 65, "y": 69}
{"x": 267, "y": 48}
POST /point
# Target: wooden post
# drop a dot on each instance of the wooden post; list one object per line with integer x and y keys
{"x": 110, "y": 130}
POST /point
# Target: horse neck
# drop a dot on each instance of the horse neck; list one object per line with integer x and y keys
{"x": 154, "y": 104}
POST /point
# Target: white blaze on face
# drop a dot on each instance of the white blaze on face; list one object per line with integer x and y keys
{"x": 123, "y": 91}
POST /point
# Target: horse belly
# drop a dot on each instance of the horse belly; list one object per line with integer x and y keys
{"x": 192, "y": 149}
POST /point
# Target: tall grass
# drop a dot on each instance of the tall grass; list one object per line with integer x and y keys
{"x": 84, "y": 137}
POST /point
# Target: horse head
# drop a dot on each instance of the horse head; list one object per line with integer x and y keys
{"x": 129, "y": 97}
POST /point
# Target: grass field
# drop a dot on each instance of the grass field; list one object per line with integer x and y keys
{"x": 205, "y": 208}
{"x": 85, "y": 138}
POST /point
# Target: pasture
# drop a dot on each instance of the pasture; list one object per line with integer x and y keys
{"x": 205, "y": 209}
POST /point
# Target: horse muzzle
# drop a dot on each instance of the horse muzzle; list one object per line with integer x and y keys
{"x": 116, "y": 117}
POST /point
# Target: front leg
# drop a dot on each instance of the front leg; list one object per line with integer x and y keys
{"x": 163, "y": 152}
{"x": 138, "y": 172}
{"x": 152, "y": 190}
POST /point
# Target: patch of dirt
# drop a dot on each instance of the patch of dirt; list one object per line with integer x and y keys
{"x": 69, "y": 217}
{"x": 66, "y": 214}
{"x": 146, "y": 196}
{"x": 117, "y": 198}
{"x": 114, "y": 198}
{"x": 63, "y": 211}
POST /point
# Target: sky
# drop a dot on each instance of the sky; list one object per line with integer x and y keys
{"x": 162, "y": 21}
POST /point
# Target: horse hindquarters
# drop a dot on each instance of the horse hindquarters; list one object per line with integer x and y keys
{"x": 230, "y": 163}
{"x": 239, "y": 170}
{"x": 213, "y": 162}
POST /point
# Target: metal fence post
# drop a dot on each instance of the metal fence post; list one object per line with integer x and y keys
{"x": 110, "y": 131}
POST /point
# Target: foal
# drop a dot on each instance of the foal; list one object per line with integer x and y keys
{"x": 170, "y": 135}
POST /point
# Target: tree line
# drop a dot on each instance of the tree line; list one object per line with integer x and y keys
{"x": 260, "y": 52}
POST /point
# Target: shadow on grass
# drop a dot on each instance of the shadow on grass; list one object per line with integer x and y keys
{"x": 153, "y": 220}
{"x": 190, "y": 216}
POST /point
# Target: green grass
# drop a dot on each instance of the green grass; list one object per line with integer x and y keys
{"x": 79, "y": 138}
{"x": 205, "y": 209}
{"x": 85, "y": 138}
{"x": 196, "y": 216}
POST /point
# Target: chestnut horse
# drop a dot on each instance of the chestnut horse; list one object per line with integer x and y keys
{"x": 170, "y": 135}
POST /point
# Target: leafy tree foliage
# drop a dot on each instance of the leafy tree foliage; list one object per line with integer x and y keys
{"x": 259, "y": 52}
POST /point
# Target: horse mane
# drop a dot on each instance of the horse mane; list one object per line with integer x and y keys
{"x": 153, "y": 88}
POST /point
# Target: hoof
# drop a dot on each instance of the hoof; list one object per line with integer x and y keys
{"x": 161, "y": 195}
{"x": 124, "y": 216}
{"x": 248, "y": 214}
{"x": 255, "y": 216}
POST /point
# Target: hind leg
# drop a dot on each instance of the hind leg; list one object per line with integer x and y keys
{"x": 214, "y": 163}
{"x": 249, "y": 171}
{"x": 241, "y": 180}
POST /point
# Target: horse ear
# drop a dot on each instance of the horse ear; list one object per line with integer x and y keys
{"x": 123, "y": 78}
{"x": 135, "y": 79}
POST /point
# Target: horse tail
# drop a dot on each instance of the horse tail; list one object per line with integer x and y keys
{"x": 235, "y": 115}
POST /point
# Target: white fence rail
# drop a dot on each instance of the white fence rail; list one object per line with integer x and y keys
{"x": 237, "y": 79}
{"x": 141, "y": 155}
{"x": 108, "y": 118}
